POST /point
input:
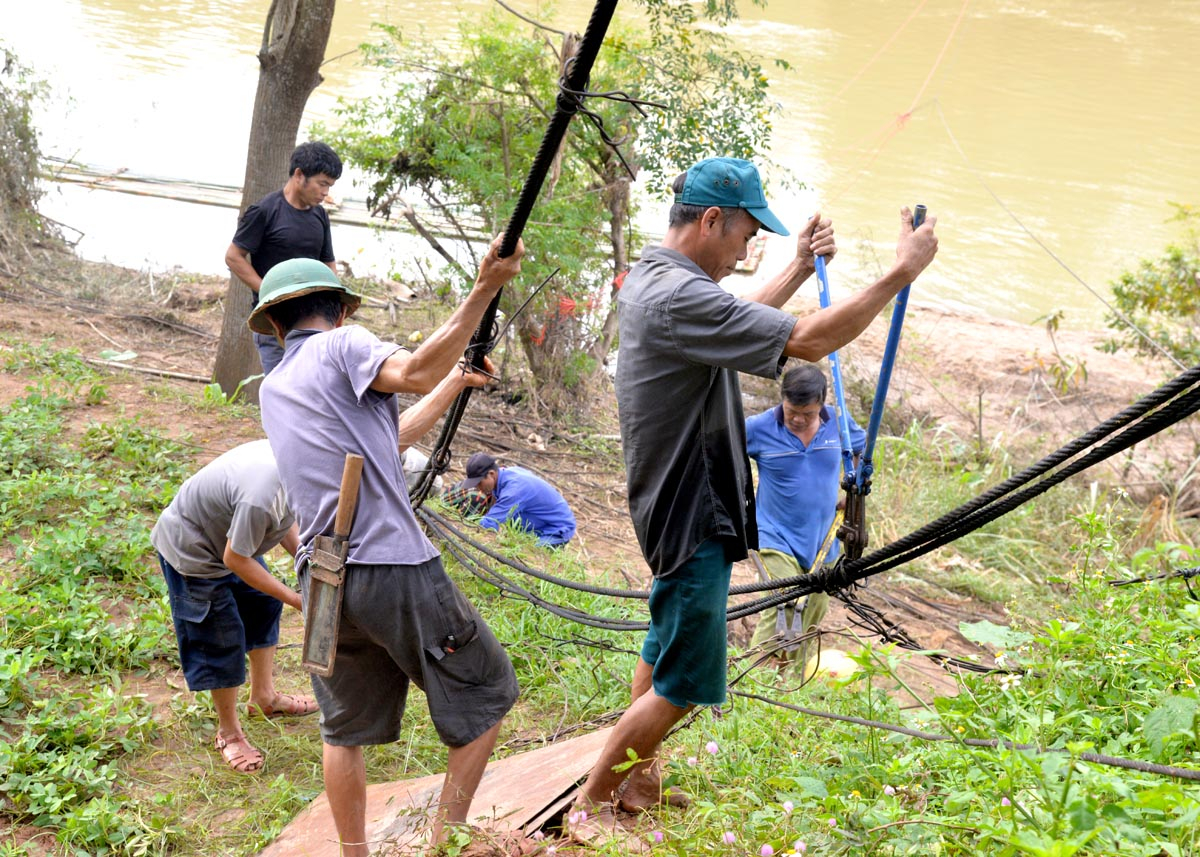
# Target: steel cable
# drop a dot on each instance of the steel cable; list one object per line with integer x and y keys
{"x": 566, "y": 105}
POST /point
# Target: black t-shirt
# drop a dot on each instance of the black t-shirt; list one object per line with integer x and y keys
{"x": 273, "y": 231}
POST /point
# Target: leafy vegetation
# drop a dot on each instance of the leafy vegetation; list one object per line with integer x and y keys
{"x": 460, "y": 131}
{"x": 19, "y": 154}
{"x": 1162, "y": 298}
{"x": 96, "y": 760}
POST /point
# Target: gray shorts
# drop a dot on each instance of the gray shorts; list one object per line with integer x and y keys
{"x": 403, "y": 623}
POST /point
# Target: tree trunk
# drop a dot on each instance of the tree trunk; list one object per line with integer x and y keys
{"x": 616, "y": 195}
{"x": 293, "y": 46}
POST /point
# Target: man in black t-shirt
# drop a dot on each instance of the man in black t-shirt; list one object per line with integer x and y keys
{"x": 287, "y": 224}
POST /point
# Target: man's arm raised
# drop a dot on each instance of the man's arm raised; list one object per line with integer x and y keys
{"x": 421, "y": 370}
{"x": 815, "y": 239}
{"x": 417, "y": 420}
{"x": 815, "y": 336}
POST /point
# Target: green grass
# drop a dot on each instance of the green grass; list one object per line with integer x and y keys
{"x": 104, "y": 751}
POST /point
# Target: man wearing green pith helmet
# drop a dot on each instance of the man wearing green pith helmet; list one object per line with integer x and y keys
{"x": 403, "y": 621}
{"x": 683, "y": 339}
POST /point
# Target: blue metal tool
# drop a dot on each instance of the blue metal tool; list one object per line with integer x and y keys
{"x": 835, "y": 368}
{"x": 885, "y": 373}
{"x": 853, "y": 531}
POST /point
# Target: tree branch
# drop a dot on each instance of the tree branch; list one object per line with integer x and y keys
{"x": 537, "y": 24}
{"x": 410, "y": 214}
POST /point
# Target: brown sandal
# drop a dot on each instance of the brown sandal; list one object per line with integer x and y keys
{"x": 285, "y": 705}
{"x": 239, "y": 753}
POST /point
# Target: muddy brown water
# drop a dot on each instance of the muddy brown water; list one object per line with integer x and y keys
{"x": 1078, "y": 114}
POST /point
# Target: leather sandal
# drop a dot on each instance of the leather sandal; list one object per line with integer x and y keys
{"x": 285, "y": 705}
{"x": 239, "y": 753}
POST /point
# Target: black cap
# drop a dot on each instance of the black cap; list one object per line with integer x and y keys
{"x": 478, "y": 466}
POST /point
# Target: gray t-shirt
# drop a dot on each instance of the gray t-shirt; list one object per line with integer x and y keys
{"x": 236, "y": 498}
{"x": 683, "y": 339}
{"x": 318, "y": 405}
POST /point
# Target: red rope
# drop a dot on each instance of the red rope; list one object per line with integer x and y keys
{"x": 897, "y": 124}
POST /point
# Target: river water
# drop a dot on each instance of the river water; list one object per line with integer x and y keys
{"x": 1071, "y": 122}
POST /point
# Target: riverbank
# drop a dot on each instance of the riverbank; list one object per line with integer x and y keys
{"x": 98, "y": 448}
{"x": 990, "y": 382}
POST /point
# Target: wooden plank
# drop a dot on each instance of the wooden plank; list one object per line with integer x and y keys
{"x": 518, "y": 793}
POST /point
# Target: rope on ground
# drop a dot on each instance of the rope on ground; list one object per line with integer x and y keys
{"x": 866, "y": 617}
{"x": 506, "y": 585}
{"x": 990, "y": 743}
{"x": 443, "y": 523}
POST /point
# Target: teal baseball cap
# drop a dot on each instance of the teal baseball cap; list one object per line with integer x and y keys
{"x": 729, "y": 183}
{"x": 291, "y": 279}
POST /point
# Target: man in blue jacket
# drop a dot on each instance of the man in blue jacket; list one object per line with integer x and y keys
{"x": 798, "y": 450}
{"x": 517, "y": 495}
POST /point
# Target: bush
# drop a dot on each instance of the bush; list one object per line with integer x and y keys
{"x": 1162, "y": 297}
{"x": 19, "y": 155}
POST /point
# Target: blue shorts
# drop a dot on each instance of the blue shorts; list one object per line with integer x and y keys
{"x": 686, "y": 645}
{"x": 218, "y": 620}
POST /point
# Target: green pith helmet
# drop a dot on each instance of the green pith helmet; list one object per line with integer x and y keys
{"x": 294, "y": 278}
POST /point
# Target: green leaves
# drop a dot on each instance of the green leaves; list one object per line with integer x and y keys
{"x": 986, "y": 633}
{"x": 1161, "y": 296}
{"x": 1176, "y": 716}
{"x": 450, "y": 137}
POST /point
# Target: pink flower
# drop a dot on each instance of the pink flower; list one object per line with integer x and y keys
{"x": 889, "y": 791}
{"x": 833, "y": 822}
{"x": 712, "y": 747}
{"x": 766, "y": 850}
{"x": 578, "y": 817}
{"x": 1005, "y": 802}
{"x": 656, "y": 836}
{"x": 801, "y": 846}
{"x": 692, "y": 760}
{"x": 788, "y": 807}
{"x": 729, "y": 837}
{"x": 538, "y": 836}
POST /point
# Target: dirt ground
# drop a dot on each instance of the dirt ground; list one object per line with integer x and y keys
{"x": 984, "y": 379}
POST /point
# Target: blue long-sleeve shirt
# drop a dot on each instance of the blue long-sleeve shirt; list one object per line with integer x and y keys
{"x": 797, "y": 484}
{"x": 533, "y": 503}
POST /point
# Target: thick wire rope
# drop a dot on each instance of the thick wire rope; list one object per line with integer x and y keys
{"x": 508, "y": 586}
{"x": 1176, "y": 400}
{"x": 566, "y": 105}
{"x": 445, "y": 525}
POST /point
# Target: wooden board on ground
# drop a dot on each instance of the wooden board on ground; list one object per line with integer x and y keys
{"x": 518, "y": 793}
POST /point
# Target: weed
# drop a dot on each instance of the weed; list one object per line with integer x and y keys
{"x": 1100, "y": 670}
{"x": 215, "y": 397}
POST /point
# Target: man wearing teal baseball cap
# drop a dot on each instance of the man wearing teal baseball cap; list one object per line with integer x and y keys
{"x": 683, "y": 340}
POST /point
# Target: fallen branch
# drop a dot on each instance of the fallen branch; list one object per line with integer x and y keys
{"x": 146, "y": 370}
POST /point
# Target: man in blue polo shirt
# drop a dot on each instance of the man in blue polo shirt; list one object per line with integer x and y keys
{"x": 798, "y": 450}
{"x": 517, "y": 495}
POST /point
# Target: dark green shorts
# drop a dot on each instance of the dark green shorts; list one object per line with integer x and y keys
{"x": 686, "y": 645}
